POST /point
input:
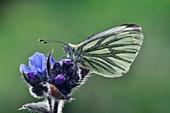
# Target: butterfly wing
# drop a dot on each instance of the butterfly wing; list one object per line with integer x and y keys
{"x": 110, "y": 53}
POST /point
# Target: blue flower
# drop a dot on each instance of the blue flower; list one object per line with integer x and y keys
{"x": 51, "y": 80}
{"x": 35, "y": 75}
{"x": 37, "y": 64}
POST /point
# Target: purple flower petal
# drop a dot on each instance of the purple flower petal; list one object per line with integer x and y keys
{"x": 24, "y": 69}
{"x": 37, "y": 62}
{"x": 60, "y": 79}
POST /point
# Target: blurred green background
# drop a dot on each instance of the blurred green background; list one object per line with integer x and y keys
{"x": 144, "y": 89}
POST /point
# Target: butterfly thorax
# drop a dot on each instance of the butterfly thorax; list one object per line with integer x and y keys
{"x": 73, "y": 52}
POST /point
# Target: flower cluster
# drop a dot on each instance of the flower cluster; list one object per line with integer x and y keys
{"x": 51, "y": 80}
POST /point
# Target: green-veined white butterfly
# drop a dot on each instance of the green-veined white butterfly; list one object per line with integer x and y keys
{"x": 109, "y": 53}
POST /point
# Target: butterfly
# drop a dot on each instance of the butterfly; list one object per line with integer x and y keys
{"x": 109, "y": 53}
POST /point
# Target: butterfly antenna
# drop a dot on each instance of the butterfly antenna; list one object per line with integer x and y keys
{"x": 50, "y": 41}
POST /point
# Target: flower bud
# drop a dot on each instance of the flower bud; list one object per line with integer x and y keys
{"x": 60, "y": 79}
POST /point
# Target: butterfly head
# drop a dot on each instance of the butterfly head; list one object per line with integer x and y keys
{"x": 71, "y": 49}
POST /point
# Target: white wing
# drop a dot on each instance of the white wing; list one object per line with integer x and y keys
{"x": 110, "y": 53}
